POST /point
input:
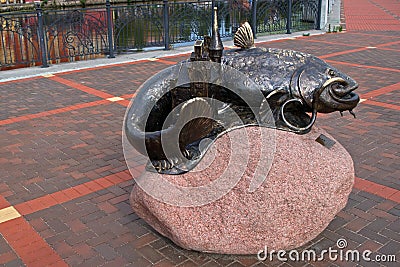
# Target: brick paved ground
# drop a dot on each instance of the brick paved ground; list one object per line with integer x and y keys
{"x": 64, "y": 184}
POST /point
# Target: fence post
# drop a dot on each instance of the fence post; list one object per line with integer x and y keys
{"x": 166, "y": 24}
{"x": 42, "y": 44}
{"x": 212, "y": 13}
{"x": 319, "y": 15}
{"x": 254, "y": 18}
{"x": 109, "y": 30}
{"x": 289, "y": 17}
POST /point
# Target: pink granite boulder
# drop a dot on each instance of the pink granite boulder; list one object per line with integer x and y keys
{"x": 304, "y": 186}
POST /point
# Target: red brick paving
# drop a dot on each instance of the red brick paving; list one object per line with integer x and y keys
{"x": 33, "y": 96}
{"x": 63, "y": 170}
{"x": 372, "y": 15}
{"x": 377, "y": 189}
{"x": 52, "y": 112}
{"x": 28, "y": 244}
{"x": 361, "y": 65}
{"x": 380, "y": 104}
{"x": 382, "y": 91}
{"x": 122, "y": 79}
{"x": 81, "y": 87}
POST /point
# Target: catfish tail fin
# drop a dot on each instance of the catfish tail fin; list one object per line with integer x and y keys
{"x": 197, "y": 117}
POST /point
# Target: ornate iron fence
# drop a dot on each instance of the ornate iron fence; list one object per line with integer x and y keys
{"x": 19, "y": 40}
{"x": 271, "y": 16}
{"x": 137, "y": 26}
{"x": 53, "y": 36}
{"x": 189, "y": 21}
{"x": 75, "y": 35}
{"x": 231, "y": 15}
{"x": 304, "y": 14}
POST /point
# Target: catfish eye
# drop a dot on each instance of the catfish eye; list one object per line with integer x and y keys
{"x": 332, "y": 73}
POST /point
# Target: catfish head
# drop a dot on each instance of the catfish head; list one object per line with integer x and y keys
{"x": 324, "y": 88}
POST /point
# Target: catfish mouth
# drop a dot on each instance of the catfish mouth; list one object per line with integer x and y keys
{"x": 341, "y": 92}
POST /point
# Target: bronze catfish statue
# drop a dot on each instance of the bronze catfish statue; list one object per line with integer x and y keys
{"x": 292, "y": 84}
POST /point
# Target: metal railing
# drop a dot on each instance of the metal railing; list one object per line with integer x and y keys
{"x": 11, "y": 2}
{"x": 44, "y": 37}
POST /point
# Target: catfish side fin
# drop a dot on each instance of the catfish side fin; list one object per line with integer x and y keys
{"x": 244, "y": 37}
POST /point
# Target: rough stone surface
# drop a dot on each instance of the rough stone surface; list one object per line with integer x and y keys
{"x": 307, "y": 185}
